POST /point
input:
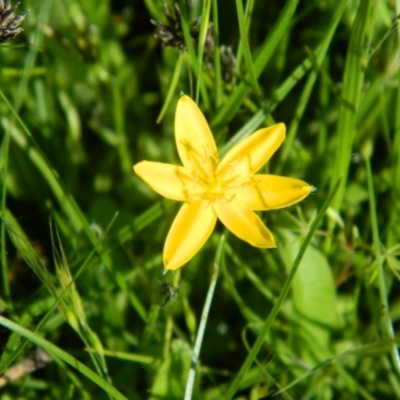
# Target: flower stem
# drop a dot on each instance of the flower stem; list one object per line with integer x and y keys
{"x": 203, "y": 321}
{"x": 169, "y": 324}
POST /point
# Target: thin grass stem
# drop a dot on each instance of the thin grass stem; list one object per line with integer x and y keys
{"x": 203, "y": 322}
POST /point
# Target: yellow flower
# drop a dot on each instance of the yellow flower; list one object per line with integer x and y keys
{"x": 228, "y": 190}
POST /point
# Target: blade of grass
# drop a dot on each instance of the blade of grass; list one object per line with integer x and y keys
{"x": 239, "y": 54}
{"x": 154, "y": 9}
{"x": 205, "y": 18}
{"x": 352, "y": 87}
{"x": 386, "y": 323}
{"x": 203, "y": 321}
{"x": 346, "y": 357}
{"x": 72, "y": 305}
{"x": 192, "y": 53}
{"x": 119, "y": 126}
{"x": 217, "y": 59}
{"x": 5, "y": 146}
{"x": 170, "y": 322}
{"x": 242, "y": 306}
{"x": 127, "y": 232}
{"x": 22, "y": 87}
{"x": 394, "y": 222}
{"x": 33, "y": 260}
{"x": 172, "y": 87}
{"x": 135, "y": 358}
{"x": 246, "y": 48}
{"x": 56, "y": 352}
{"x": 284, "y": 292}
{"x": 263, "y": 114}
{"x": 28, "y": 144}
{"x": 36, "y": 37}
{"x": 229, "y": 109}
{"x": 305, "y": 95}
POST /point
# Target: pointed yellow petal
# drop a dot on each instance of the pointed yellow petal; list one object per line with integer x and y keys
{"x": 249, "y": 155}
{"x": 171, "y": 181}
{"x": 190, "y": 230}
{"x": 244, "y": 223}
{"x": 194, "y": 140}
{"x": 272, "y": 191}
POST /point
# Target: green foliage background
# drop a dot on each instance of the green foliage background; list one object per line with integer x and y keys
{"x": 81, "y": 236}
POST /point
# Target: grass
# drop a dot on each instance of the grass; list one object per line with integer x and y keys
{"x": 86, "y": 91}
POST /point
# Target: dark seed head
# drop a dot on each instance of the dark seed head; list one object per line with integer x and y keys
{"x": 9, "y": 21}
{"x": 171, "y": 34}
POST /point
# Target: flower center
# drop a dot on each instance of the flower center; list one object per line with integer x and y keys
{"x": 214, "y": 189}
{"x": 213, "y": 184}
{"x": 222, "y": 185}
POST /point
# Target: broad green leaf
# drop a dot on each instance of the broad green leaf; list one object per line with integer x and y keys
{"x": 313, "y": 294}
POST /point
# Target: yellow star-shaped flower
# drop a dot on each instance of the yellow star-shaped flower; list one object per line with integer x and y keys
{"x": 229, "y": 190}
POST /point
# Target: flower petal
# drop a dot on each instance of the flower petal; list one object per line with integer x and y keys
{"x": 171, "y": 181}
{"x": 194, "y": 140}
{"x": 190, "y": 230}
{"x": 249, "y": 155}
{"x": 271, "y": 192}
{"x": 244, "y": 223}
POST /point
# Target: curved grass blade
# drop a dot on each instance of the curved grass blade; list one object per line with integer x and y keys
{"x": 386, "y": 323}
{"x": 56, "y": 352}
{"x": 28, "y": 144}
{"x": 284, "y": 292}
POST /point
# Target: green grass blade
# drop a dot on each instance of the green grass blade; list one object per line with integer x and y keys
{"x": 119, "y": 126}
{"x": 27, "y": 143}
{"x": 263, "y": 115}
{"x": 172, "y": 88}
{"x": 239, "y": 56}
{"x": 246, "y": 48}
{"x": 27, "y": 252}
{"x": 192, "y": 53}
{"x": 154, "y": 9}
{"x": 352, "y": 87}
{"x": 229, "y": 109}
{"x": 203, "y": 320}
{"x": 56, "y": 352}
{"x": 284, "y": 292}
{"x": 31, "y": 57}
{"x": 305, "y": 96}
{"x": 346, "y": 357}
{"x": 394, "y": 222}
{"x": 22, "y": 87}
{"x": 386, "y": 323}
{"x": 205, "y": 18}
{"x": 4, "y": 149}
{"x": 244, "y": 308}
{"x": 217, "y": 58}
{"x": 24, "y": 248}
{"x": 129, "y": 231}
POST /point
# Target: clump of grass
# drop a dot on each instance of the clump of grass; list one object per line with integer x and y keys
{"x": 82, "y": 236}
